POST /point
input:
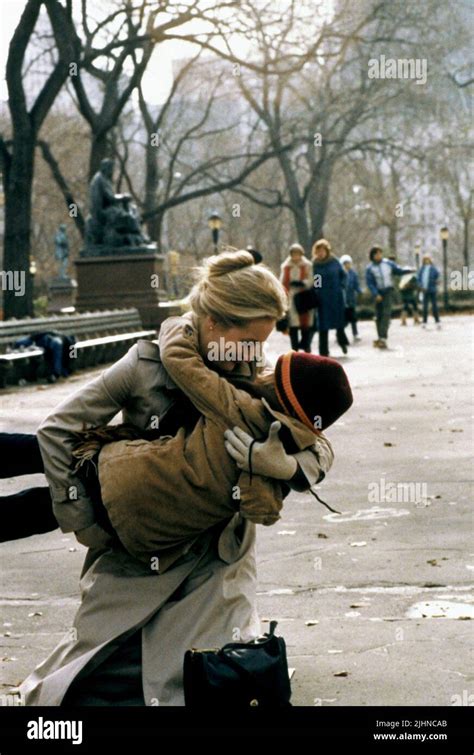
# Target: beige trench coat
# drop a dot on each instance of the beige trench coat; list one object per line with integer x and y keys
{"x": 208, "y": 596}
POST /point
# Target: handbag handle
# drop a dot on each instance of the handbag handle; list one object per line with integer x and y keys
{"x": 269, "y": 635}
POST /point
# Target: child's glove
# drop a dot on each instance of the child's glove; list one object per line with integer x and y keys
{"x": 269, "y": 459}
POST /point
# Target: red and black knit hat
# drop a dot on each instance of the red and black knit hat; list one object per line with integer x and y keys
{"x": 311, "y": 388}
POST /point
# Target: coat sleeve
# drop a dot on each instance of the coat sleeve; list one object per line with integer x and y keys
{"x": 357, "y": 283}
{"x": 315, "y": 462}
{"x": 261, "y": 499}
{"x": 213, "y": 396}
{"x": 397, "y": 270}
{"x": 369, "y": 279}
{"x": 95, "y": 404}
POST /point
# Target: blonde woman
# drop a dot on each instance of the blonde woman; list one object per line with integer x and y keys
{"x": 296, "y": 275}
{"x": 135, "y": 622}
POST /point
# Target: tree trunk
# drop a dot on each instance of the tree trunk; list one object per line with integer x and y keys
{"x": 392, "y": 237}
{"x": 318, "y": 199}
{"x": 153, "y": 223}
{"x": 465, "y": 246}
{"x": 302, "y": 229}
{"x": 16, "y": 259}
{"x": 99, "y": 151}
{"x": 318, "y": 209}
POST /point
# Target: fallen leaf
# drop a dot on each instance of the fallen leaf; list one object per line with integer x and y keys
{"x": 341, "y": 673}
{"x": 388, "y": 445}
{"x": 358, "y": 545}
{"x": 35, "y": 613}
{"x": 311, "y": 622}
{"x": 321, "y": 534}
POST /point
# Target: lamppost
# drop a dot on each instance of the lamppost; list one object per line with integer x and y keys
{"x": 215, "y": 224}
{"x": 444, "y": 235}
{"x": 417, "y": 255}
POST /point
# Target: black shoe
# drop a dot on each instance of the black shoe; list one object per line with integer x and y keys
{"x": 344, "y": 348}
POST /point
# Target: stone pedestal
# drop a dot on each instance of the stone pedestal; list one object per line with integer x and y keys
{"x": 61, "y": 294}
{"x": 122, "y": 280}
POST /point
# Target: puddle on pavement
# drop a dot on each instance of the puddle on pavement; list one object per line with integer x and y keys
{"x": 376, "y": 512}
{"x": 440, "y": 609}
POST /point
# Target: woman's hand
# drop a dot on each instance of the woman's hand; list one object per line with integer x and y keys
{"x": 269, "y": 458}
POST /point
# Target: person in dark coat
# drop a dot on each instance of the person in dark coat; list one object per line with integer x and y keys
{"x": 330, "y": 282}
{"x": 428, "y": 276}
{"x": 352, "y": 292}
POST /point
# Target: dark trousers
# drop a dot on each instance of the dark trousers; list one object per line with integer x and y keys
{"x": 324, "y": 340}
{"x": 430, "y": 296}
{"x": 29, "y": 512}
{"x": 115, "y": 680}
{"x": 383, "y": 312}
{"x": 53, "y": 347}
{"x": 351, "y": 317}
{"x": 304, "y": 343}
{"x": 409, "y": 305}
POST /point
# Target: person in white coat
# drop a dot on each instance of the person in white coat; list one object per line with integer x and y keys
{"x": 134, "y": 624}
{"x": 296, "y": 275}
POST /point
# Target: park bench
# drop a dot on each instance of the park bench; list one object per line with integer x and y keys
{"x": 100, "y": 337}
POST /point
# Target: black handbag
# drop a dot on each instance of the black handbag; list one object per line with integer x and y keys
{"x": 306, "y": 300}
{"x": 240, "y": 674}
{"x": 282, "y": 325}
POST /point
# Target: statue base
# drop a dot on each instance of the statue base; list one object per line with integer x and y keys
{"x": 118, "y": 280}
{"x": 61, "y": 295}
{"x": 102, "y": 250}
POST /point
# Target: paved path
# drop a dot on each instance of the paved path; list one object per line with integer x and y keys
{"x": 376, "y": 605}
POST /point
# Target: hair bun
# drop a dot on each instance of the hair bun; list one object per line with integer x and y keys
{"x": 228, "y": 262}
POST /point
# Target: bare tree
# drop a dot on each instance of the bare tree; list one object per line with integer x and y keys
{"x": 18, "y": 153}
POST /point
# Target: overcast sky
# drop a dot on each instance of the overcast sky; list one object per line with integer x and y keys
{"x": 158, "y": 76}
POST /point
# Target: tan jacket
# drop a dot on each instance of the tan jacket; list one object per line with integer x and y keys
{"x": 161, "y": 493}
{"x": 138, "y": 386}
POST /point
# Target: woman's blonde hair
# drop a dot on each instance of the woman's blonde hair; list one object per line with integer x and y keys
{"x": 321, "y": 242}
{"x": 232, "y": 289}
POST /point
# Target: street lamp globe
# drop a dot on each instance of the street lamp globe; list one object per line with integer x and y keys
{"x": 215, "y": 221}
{"x": 444, "y": 233}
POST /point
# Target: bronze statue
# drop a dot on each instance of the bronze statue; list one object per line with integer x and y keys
{"x": 113, "y": 221}
{"x": 61, "y": 250}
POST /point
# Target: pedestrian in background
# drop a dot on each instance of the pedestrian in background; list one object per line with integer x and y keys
{"x": 428, "y": 276}
{"x": 330, "y": 282}
{"x": 296, "y": 275}
{"x": 352, "y": 292}
{"x": 409, "y": 292}
{"x": 379, "y": 275}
